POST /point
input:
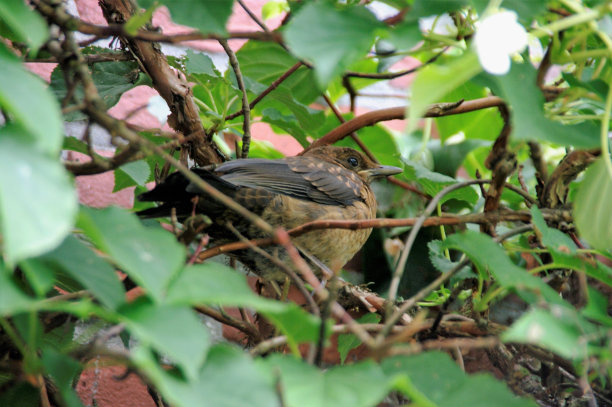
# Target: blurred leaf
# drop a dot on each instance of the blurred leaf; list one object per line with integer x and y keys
{"x": 360, "y": 384}
{"x": 265, "y": 62}
{"x": 216, "y": 284}
{"x": 172, "y": 330}
{"x": 559, "y": 330}
{"x": 274, "y": 8}
{"x": 489, "y": 257}
{"x": 132, "y": 174}
{"x": 18, "y": 88}
{"x": 348, "y": 342}
{"x": 449, "y": 157}
{"x": 405, "y": 35}
{"x": 139, "y": 19}
{"x": 527, "y": 104}
{"x": 12, "y": 299}
{"x": 26, "y": 26}
{"x": 424, "y": 8}
{"x": 592, "y": 206}
{"x": 112, "y": 79}
{"x": 150, "y": 256}
{"x": 40, "y": 276}
{"x": 484, "y": 124}
{"x": 298, "y": 325}
{"x": 82, "y": 264}
{"x": 264, "y": 149}
{"x": 38, "y": 202}
{"x": 229, "y": 378}
{"x": 597, "y": 308}
{"x": 21, "y": 394}
{"x": 341, "y": 38}
{"x": 199, "y": 63}
{"x": 551, "y": 238}
{"x": 436, "y": 80}
{"x": 432, "y": 379}
{"x": 74, "y": 144}
{"x": 63, "y": 370}
{"x": 208, "y": 16}
{"x": 433, "y": 182}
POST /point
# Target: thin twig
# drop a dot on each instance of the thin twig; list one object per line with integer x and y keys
{"x": 246, "y": 110}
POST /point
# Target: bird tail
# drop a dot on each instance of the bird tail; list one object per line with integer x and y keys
{"x": 176, "y": 192}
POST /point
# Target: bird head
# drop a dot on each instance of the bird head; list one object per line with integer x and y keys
{"x": 355, "y": 161}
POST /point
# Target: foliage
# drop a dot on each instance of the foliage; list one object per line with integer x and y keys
{"x": 59, "y": 262}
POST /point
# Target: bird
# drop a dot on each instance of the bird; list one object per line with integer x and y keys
{"x": 325, "y": 183}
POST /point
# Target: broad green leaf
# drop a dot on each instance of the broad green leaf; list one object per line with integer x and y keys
{"x": 424, "y": 8}
{"x": 433, "y": 182}
{"x": 216, "y": 284}
{"x": 38, "y": 203}
{"x": 196, "y": 62}
{"x": 265, "y": 62}
{"x": 341, "y": 38}
{"x": 274, "y": 8}
{"x": 132, "y": 174}
{"x": 26, "y": 26}
{"x": 298, "y": 325}
{"x": 360, "y": 384}
{"x": 348, "y": 342}
{"x": 112, "y": 79}
{"x": 432, "y": 379}
{"x": 558, "y": 330}
{"x": 12, "y": 299}
{"x": 18, "y": 89}
{"x": 229, "y": 378}
{"x": 405, "y": 35}
{"x": 592, "y": 206}
{"x": 21, "y": 394}
{"x": 449, "y": 157}
{"x": 74, "y": 144}
{"x": 150, "y": 256}
{"x": 172, "y": 330}
{"x": 64, "y": 370}
{"x": 482, "y": 124}
{"x": 527, "y": 110}
{"x": 436, "y": 80}
{"x": 552, "y": 238}
{"x": 597, "y": 308}
{"x": 264, "y": 149}
{"x": 488, "y": 256}
{"x": 40, "y": 276}
{"x": 93, "y": 273}
{"x": 208, "y": 16}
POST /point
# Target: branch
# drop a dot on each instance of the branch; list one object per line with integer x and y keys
{"x": 398, "y": 113}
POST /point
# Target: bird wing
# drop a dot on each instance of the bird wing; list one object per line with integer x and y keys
{"x": 299, "y": 177}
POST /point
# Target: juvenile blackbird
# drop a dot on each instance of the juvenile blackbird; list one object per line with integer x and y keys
{"x": 325, "y": 183}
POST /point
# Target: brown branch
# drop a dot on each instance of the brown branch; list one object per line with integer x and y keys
{"x": 398, "y": 113}
{"x": 476, "y": 218}
{"x": 246, "y": 110}
{"x": 174, "y": 89}
{"x": 269, "y": 89}
{"x": 243, "y": 326}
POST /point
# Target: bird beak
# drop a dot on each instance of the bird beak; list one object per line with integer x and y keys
{"x": 380, "y": 171}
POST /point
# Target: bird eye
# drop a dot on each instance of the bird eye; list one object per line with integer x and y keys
{"x": 353, "y": 161}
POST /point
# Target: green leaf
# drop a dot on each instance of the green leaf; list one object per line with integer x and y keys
{"x": 405, "y": 35}
{"x": 139, "y": 19}
{"x": 12, "y": 299}
{"x": 357, "y": 385}
{"x": 150, "y": 256}
{"x": 527, "y": 115}
{"x": 38, "y": 202}
{"x": 40, "y": 276}
{"x": 489, "y": 256}
{"x": 131, "y": 174}
{"x": 552, "y": 238}
{"x": 63, "y": 370}
{"x": 449, "y": 157}
{"x": 559, "y": 330}
{"x": 208, "y": 16}
{"x": 216, "y": 284}
{"x": 432, "y": 379}
{"x": 112, "y": 80}
{"x": 74, "y": 144}
{"x": 348, "y": 342}
{"x": 229, "y": 378}
{"x": 482, "y": 124}
{"x": 265, "y": 62}
{"x": 436, "y": 80}
{"x": 433, "y": 182}
{"x": 597, "y": 308}
{"x": 173, "y": 330}
{"x": 26, "y": 26}
{"x": 341, "y": 38}
{"x": 197, "y": 62}
{"x": 424, "y": 8}
{"x": 82, "y": 264}
{"x": 298, "y": 325}
{"x": 592, "y": 206}
{"x": 274, "y": 8}
{"x": 41, "y": 120}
